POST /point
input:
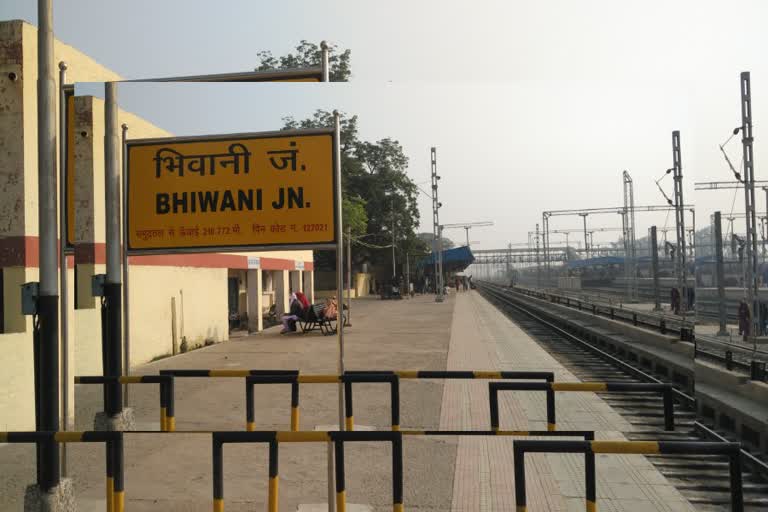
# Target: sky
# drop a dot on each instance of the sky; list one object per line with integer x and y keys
{"x": 532, "y": 106}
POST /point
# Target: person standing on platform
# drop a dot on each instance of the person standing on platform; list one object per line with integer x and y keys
{"x": 744, "y": 320}
{"x": 675, "y": 301}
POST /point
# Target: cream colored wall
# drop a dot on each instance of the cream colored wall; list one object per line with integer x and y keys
{"x": 205, "y": 308}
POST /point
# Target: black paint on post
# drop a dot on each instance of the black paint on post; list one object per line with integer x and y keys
{"x": 218, "y": 469}
{"x": 48, "y": 463}
{"x": 114, "y": 297}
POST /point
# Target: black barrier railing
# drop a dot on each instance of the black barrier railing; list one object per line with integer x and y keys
{"x": 115, "y": 492}
{"x": 167, "y": 400}
{"x": 294, "y": 378}
{"x": 552, "y": 387}
{"x": 346, "y": 379}
{"x": 730, "y": 450}
{"x": 274, "y": 438}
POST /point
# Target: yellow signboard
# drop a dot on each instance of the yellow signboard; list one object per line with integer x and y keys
{"x": 232, "y": 192}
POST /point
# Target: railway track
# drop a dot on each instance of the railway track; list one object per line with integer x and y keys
{"x": 703, "y": 480}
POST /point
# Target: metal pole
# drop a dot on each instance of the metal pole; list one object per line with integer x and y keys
{"x": 466, "y": 229}
{"x": 720, "y": 274}
{"x": 112, "y": 287}
{"x": 751, "y": 283}
{"x": 538, "y": 259}
{"x": 126, "y": 303}
{"x": 63, "y": 277}
{"x": 680, "y": 219}
{"x": 655, "y": 269}
{"x": 394, "y": 263}
{"x": 693, "y": 235}
{"x": 340, "y": 312}
{"x": 48, "y": 300}
{"x": 324, "y": 61}
{"x": 437, "y": 244}
{"x": 349, "y": 276}
{"x": 586, "y": 241}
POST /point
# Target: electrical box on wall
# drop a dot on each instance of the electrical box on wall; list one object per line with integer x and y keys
{"x": 29, "y": 294}
{"x": 97, "y": 284}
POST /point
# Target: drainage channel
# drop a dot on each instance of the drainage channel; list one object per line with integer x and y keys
{"x": 703, "y": 480}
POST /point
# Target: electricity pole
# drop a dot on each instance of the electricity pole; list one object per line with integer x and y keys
{"x": 538, "y": 260}
{"x": 751, "y": 282}
{"x": 586, "y": 241}
{"x": 677, "y": 169}
{"x": 630, "y": 262}
{"x": 720, "y": 274}
{"x": 437, "y": 245}
{"x": 655, "y": 269}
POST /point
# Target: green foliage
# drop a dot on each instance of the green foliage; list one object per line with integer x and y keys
{"x": 428, "y": 237}
{"x": 375, "y": 187}
{"x": 308, "y": 56}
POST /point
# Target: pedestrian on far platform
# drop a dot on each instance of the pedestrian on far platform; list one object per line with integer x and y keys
{"x": 744, "y": 320}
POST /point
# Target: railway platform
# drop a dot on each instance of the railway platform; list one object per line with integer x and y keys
{"x": 172, "y": 471}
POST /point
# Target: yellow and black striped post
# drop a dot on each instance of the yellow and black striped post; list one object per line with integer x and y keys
{"x": 341, "y": 497}
{"x": 167, "y": 419}
{"x": 273, "y": 477}
{"x": 730, "y": 450}
{"x": 551, "y": 387}
{"x": 377, "y": 377}
{"x": 252, "y": 380}
{"x": 113, "y": 444}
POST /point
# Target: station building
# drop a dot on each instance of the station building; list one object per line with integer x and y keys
{"x": 194, "y": 297}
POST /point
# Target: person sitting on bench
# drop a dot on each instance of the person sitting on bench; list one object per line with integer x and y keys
{"x": 296, "y": 311}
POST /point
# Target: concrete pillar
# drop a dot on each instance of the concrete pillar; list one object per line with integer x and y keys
{"x": 294, "y": 280}
{"x": 253, "y": 283}
{"x": 308, "y": 278}
{"x": 282, "y": 291}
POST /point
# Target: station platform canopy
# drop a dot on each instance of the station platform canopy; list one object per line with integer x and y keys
{"x": 454, "y": 260}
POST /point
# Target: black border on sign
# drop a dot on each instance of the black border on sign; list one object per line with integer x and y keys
{"x": 69, "y": 245}
{"x": 270, "y": 75}
{"x": 330, "y": 244}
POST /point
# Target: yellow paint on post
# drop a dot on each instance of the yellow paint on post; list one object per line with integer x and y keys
{"x": 519, "y": 433}
{"x": 218, "y": 505}
{"x": 395, "y": 428}
{"x": 636, "y": 447}
{"x": 119, "y": 501}
{"x": 244, "y": 190}
{"x": 130, "y": 379}
{"x": 163, "y": 420}
{"x": 250, "y": 426}
{"x": 273, "y": 494}
{"x": 408, "y": 374}
{"x": 551, "y": 427}
{"x": 302, "y": 437}
{"x": 319, "y": 379}
{"x": 295, "y": 419}
{"x": 579, "y": 386}
{"x": 398, "y": 507}
{"x": 341, "y": 501}
{"x": 591, "y": 506}
{"x": 228, "y": 373}
{"x": 3, "y": 437}
{"x": 170, "y": 423}
{"x": 68, "y": 437}
{"x": 487, "y": 375}
{"x": 349, "y": 423}
{"x": 412, "y": 432}
{"x": 110, "y": 494}
{"x": 522, "y": 508}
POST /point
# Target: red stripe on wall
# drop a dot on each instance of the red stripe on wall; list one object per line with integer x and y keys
{"x": 24, "y": 251}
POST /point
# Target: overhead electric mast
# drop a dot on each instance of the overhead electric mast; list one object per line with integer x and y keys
{"x": 467, "y": 226}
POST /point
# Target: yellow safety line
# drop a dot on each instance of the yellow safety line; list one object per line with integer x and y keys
{"x": 579, "y": 386}
{"x": 638, "y": 447}
{"x": 302, "y": 437}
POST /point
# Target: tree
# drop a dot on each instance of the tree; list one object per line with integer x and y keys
{"x": 376, "y": 190}
{"x": 308, "y": 55}
{"x": 428, "y": 237}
